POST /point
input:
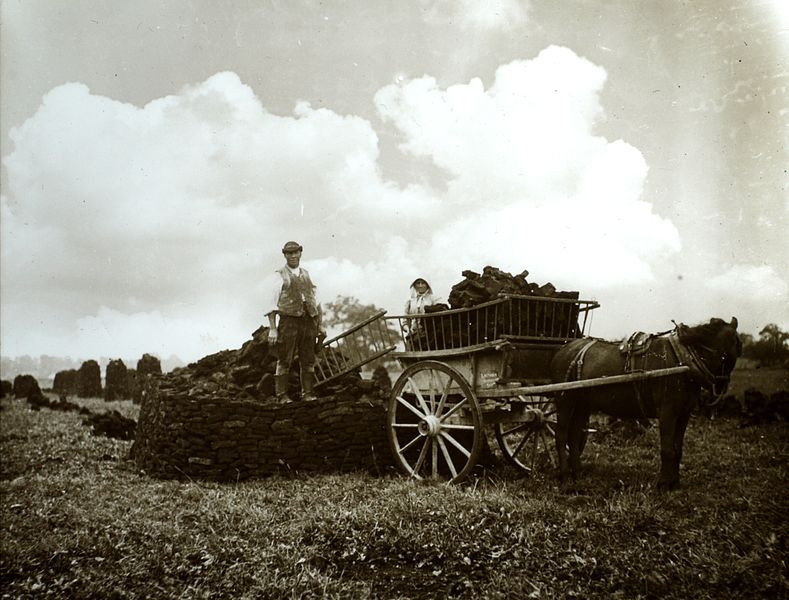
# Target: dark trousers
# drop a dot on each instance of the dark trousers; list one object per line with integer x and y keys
{"x": 296, "y": 335}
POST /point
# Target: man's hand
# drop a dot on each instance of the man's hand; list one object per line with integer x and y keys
{"x": 319, "y": 340}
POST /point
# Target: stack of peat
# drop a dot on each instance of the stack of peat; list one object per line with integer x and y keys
{"x": 520, "y": 317}
{"x": 217, "y": 419}
{"x": 26, "y": 386}
{"x": 65, "y": 382}
{"x": 89, "y": 380}
{"x": 116, "y": 381}
{"x": 148, "y": 366}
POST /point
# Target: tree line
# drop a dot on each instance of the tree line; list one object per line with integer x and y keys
{"x": 770, "y": 349}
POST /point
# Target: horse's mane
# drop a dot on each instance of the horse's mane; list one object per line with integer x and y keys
{"x": 700, "y": 334}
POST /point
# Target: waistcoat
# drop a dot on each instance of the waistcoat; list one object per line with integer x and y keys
{"x": 297, "y": 295}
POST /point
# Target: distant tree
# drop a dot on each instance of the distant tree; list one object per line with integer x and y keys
{"x": 772, "y": 347}
{"x": 773, "y": 335}
{"x": 346, "y": 311}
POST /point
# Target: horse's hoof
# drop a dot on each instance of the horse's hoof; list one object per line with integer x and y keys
{"x": 667, "y": 486}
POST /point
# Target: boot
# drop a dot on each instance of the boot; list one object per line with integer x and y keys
{"x": 307, "y": 383}
{"x": 281, "y": 388}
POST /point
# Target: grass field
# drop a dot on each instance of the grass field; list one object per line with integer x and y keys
{"x": 767, "y": 380}
{"x": 80, "y": 521}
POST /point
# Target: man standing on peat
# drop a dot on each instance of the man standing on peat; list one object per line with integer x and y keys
{"x": 294, "y": 300}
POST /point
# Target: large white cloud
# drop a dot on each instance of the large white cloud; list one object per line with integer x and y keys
{"x": 127, "y": 224}
{"x": 531, "y": 185}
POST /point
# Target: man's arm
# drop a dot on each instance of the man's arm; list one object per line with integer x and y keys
{"x": 271, "y": 295}
{"x": 272, "y": 327}
{"x": 319, "y": 320}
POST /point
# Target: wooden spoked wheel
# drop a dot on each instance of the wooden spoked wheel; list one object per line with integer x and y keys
{"x": 530, "y": 444}
{"x": 434, "y": 423}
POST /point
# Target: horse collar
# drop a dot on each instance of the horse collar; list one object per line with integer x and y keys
{"x": 687, "y": 355}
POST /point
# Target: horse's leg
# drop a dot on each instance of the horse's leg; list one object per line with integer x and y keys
{"x": 564, "y": 414}
{"x": 676, "y": 399}
{"x": 579, "y": 422}
{"x": 679, "y": 439}
{"x": 673, "y": 420}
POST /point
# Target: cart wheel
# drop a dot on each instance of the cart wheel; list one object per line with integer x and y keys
{"x": 434, "y": 423}
{"x": 530, "y": 445}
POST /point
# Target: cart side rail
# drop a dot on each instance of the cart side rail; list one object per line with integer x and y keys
{"x": 363, "y": 343}
{"x": 511, "y": 317}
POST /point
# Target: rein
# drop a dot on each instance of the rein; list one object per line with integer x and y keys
{"x": 686, "y": 354}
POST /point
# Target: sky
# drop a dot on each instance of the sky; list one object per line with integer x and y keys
{"x": 156, "y": 157}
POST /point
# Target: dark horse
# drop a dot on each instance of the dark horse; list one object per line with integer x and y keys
{"x": 710, "y": 350}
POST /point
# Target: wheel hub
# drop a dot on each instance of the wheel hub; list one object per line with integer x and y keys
{"x": 534, "y": 416}
{"x": 429, "y": 426}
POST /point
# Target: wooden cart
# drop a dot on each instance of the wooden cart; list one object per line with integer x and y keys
{"x": 488, "y": 365}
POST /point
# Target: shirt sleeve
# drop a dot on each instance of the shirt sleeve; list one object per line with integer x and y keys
{"x": 317, "y": 294}
{"x": 272, "y": 286}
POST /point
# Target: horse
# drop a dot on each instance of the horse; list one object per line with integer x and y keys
{"x": 710, "y": 350}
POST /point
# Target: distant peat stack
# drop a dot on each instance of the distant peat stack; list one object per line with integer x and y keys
{"x": 149, "y": 366}
{"x": 89, "y": 380}
{"x": 116, "y": 381}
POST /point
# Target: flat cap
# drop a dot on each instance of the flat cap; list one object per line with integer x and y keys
{"x": 292, "y": 247}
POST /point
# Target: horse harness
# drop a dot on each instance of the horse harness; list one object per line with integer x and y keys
{"x": 636, "y": 345}
{"x": 635, "y": 350}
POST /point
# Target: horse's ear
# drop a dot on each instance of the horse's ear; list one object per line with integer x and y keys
{"x": 734, "y": 322}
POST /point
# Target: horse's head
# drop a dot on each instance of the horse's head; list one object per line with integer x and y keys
{"x": 717, "y": 346}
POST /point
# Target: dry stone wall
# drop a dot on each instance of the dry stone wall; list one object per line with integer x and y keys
{"x": 216, "y": 419}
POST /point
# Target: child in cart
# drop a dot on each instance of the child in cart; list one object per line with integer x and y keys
{"x": 421, "y": 301}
